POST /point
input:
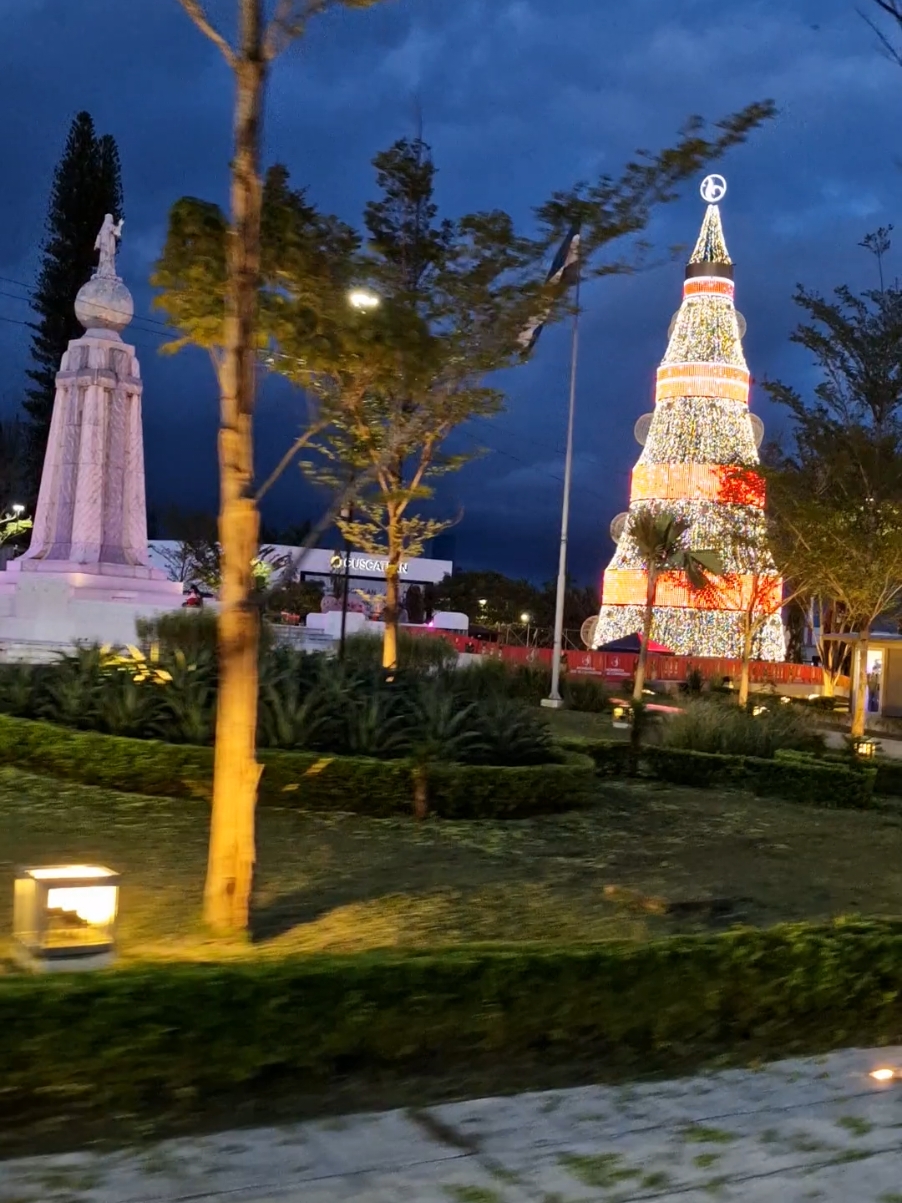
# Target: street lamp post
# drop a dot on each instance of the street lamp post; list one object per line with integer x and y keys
{"x": 526, "y": 618}
{"x": 346, "y": 514}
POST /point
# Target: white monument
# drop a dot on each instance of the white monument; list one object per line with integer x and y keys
{"x": 87, "y": 576}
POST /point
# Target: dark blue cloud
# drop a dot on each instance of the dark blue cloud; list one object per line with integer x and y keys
{"x": 518, "y": 97}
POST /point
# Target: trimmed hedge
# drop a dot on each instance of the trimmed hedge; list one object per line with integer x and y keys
{"x": 889, "y": 778}
{"x": 807, "y": 781}
{"x": 611, "y": 756}
{"x": 794, "y": 779}
{"x": 149, "y": 1035}
{"x": 315, "y": 781}
{"x": 462, "y": 791}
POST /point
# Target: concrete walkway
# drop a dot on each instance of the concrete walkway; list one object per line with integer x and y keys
{"x": 891, "y": 748}
{"x": 800, "y": 1130}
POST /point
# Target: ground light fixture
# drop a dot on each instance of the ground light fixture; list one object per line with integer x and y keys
{"x": 363, "y": 298}
{"x": 64, "y": 917}
{"x": 865, "y": 748}
{"x": 884, "y": 1074}
{"x": 622, "y": 716}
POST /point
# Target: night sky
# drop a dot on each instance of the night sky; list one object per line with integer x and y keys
{"x": 518, "y": 97}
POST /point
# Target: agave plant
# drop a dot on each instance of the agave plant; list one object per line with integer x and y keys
{"x": 186, "y": 711}
{"x": 377, "y": 726}
{"x": 126, "y": 705}
{"x": 512, "y": 734}
{"x": 70, "y": 691}
{"x": 19, "y": 690}
{"x": 292, "y": 715}
{"x": 442, "y": 729}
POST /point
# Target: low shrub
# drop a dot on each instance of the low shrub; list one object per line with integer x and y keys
{"x": 363, "y": 650}
{"x": 715, "y": 725}
{"x": 585, "y": 694}
{"x": 191, "y": 631}
{"x": 462, "y": 791}
{"x": 888, "y": 778}
{"x": 812, "y": 782}
{"x": 683, "y": 766}
{"x": 142, "y": 1037}
{"x": 611, "y": 757}
{"x": 311, "y": 780}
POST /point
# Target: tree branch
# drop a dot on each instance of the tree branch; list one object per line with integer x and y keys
{"x": 195, "y": 10}
{"x": 298, "y": 445}
{"x": 893, "y": 9}
{"x": 287, "y": 24}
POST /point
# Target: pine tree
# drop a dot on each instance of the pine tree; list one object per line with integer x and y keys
{"x": 86, "y": 185}
{"x": 699, "y": 465}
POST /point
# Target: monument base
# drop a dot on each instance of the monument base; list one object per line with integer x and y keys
{"x": 46, "y": 608}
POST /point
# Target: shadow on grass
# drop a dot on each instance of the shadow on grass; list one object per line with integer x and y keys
{"x": 275, "y": 918}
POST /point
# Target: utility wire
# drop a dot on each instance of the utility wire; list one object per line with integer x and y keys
{"x": 163, "y": 331}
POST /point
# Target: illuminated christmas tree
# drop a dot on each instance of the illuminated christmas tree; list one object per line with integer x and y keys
{"x": 699, "y": 460}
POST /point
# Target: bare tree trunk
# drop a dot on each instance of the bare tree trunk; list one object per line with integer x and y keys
{"x": 392, "y": 611}
{"x": 747, "y": 641}
{"x": 650, "y": 590}
{"x": 828, "y": 681}
{"x": 236, "y": 773}
{"x": 420, "y": 792}
{"x": 859, "y": 702}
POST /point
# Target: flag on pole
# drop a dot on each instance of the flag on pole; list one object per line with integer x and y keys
{"x": 562, "y": 274}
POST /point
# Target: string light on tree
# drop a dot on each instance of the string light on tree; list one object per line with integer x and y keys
{"x": 699, "y": 462}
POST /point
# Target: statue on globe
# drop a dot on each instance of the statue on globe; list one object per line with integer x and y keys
{"x": 105, "y": 243}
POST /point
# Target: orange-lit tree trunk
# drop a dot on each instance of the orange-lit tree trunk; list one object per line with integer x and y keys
{"x": 859, "y": 701}
{"x": 747, "y": 640}
{"x": 392, "y": 611}
{"x": 650, "y": 591}
{"x": 236, "y": 773}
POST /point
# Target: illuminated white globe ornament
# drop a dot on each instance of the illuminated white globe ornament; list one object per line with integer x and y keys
{"x": 641, "y": 429}
{"x": 713, "y": 189}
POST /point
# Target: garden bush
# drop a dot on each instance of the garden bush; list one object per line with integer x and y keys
{"x": 610, "y": 756}
{"x": 715, "y": 725}
{"x": 363, "y": 650}
{"x": 813, "y": 782}
{"x": 530, "y": 683}
{"x": 888, "y": 778}
{"x": 310, "y": 780}
{"x": 192, "y": 631}
{"x": 306, "y": 703}
{"x": 143, "y": 1037}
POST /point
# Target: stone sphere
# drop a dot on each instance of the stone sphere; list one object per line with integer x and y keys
{"x": 104, "y": 304}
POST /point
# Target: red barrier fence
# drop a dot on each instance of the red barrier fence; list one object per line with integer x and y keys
{"x": 618, "y": 666}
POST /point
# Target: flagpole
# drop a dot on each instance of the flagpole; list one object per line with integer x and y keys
{"x": 554, "y": 700}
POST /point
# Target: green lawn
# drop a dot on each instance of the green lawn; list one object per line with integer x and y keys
{"x": 346, "y": 883}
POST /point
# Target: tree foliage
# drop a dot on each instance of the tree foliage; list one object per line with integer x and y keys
{"x": 86, "y": 185}
{"x": 836, "y": 487}
{"x": 660, "y": 541}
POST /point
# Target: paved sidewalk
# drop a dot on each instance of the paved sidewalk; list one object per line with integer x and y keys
{"x": 891, "y": 748}
{"x": 801, "y": 1130}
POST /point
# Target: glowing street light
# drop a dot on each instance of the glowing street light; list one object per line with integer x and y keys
{"x": 18, "y": 509}
{"x": 64, "y": 917}
{"x": 363, "y": 298}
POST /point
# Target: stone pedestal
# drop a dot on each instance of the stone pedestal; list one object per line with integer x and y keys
{"x": 86, "y": 576}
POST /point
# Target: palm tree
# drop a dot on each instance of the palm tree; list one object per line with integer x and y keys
{"x": 660, "y": 540}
